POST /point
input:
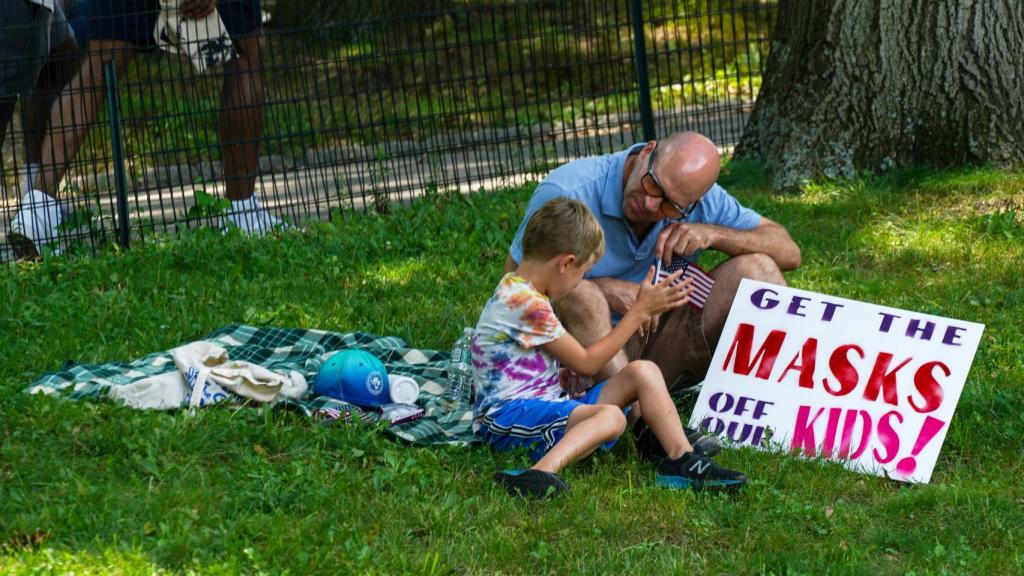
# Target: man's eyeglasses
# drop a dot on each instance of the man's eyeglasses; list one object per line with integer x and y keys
{"x": 651, "y": 187}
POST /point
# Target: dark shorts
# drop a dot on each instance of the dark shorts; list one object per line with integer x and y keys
{"x": 133, "y": 20}
{"x": 77, "y": 13}
{"x": 678, "y": 347}
{"x": 60, "y": 29}
{"x": 24, "y": 46}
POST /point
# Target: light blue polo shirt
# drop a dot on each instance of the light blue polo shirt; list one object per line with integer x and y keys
{"x": 597, "y": 182}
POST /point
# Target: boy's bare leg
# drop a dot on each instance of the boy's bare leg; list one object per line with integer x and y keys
{"x": 75, "y": 111}
{"x": 588, "y": 427}
{"x": 641, "y": 381}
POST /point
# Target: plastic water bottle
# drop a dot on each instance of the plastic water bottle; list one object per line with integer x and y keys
{"x": 460, "y": 371}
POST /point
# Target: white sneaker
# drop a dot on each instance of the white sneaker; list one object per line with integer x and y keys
{"x": 251, "y": 217}
{"x": 35, "y": 224}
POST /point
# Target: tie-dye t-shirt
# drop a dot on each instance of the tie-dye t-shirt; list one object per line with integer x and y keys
{"x": 508, "y": 361}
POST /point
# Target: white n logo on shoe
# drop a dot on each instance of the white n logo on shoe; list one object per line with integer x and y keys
{"x": 700, "y": 466}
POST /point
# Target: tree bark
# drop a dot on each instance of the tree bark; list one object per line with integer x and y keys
{"x": 869, "y": 85}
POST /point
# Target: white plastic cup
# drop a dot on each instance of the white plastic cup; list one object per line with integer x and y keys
{"x": 404, "y": 390}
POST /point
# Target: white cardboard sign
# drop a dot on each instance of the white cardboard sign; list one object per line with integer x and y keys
{"x": 870, "y": 386}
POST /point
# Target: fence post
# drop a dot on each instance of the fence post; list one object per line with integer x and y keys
{"x": 117, "y": 146}
{"x": 642, "y": 79}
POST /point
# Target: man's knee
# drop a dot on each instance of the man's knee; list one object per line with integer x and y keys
{"x": 584, "y": 303}
{"x": 756, "y": 266}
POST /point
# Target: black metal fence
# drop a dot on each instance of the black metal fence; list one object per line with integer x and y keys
{"x": 333, "y": 115}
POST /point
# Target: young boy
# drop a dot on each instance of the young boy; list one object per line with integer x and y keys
{"x": 519, "y": 343}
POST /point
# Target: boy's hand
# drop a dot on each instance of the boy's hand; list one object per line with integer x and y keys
{"x": 655, "y": 299}
{"x": 574, "y": 384}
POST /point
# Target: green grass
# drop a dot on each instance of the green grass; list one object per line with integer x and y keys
{"x": 96, "y": 488}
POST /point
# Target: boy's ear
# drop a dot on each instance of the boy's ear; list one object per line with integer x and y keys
{"x": 564, "y": 261}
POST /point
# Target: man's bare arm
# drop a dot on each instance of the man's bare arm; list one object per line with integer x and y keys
{"x": 768, "y": 238}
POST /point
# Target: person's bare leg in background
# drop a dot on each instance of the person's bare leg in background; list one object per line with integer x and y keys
{"x": 74, "y": 113}
{"x": 55, "y": 75}
{"x": 240, "y": 130}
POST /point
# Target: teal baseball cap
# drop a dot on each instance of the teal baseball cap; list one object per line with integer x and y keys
{"x": 354, "y": 376}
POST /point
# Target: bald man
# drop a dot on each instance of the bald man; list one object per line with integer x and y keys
{"x": 659, "y": 200}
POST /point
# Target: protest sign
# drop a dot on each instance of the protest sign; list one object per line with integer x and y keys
{"x": 870, "y": 386}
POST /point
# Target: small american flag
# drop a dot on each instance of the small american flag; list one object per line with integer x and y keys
{"x": 702, "y": 281}
{"x": 347, "y": 414}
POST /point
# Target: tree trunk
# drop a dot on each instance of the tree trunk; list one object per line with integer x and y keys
{"x": 869, "y": 85}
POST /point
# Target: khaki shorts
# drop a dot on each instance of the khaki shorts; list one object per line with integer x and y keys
{"x": 678, "y": 347}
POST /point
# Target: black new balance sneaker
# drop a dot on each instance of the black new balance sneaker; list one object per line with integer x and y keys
{"x": 531, "y": 483}
{"x": 650, "y": 449}
{"x": 696, "y": 472}
{"x": 702, "y": 443}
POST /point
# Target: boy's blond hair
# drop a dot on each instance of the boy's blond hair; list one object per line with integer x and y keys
{"x": 563, "y": 226}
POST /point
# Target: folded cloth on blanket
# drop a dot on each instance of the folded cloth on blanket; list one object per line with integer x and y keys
{"x": 281, "y": 352}
{"x": 205, "y": 376}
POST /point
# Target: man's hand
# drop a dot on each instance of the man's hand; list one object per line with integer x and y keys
{"x": 574, "y": 384}
{"x": 196, "y": 9}
{"x": 650, "y": 326}
{"x": 679, "y": 239}
{"x": 768, "y": 238}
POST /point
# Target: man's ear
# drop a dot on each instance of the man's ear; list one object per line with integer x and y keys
{"x": 564, "y": 261}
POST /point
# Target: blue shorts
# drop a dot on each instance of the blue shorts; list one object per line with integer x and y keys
{"x": 133, "y": 20}
{"x": 536, "y": 424}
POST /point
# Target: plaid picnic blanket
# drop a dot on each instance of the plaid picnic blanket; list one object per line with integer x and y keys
{"x": 284, "y": 350}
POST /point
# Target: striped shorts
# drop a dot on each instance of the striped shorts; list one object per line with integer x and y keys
{"x": 534, "y": 424}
